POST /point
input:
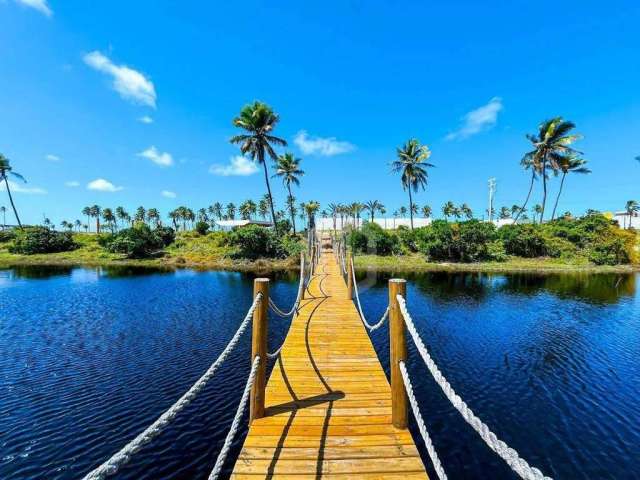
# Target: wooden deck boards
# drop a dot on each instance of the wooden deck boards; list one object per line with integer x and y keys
{"x": 328, "y": 401}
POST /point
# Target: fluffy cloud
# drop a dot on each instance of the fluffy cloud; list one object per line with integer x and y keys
{"x": 72, "y": 184}
{"x": 477, "y": 120}
{"x": 321, "y": 146}
{"x": 102, "y": 185}
{"x": 163, "y": 159}
{"x": 168, "y": 194}
{"x": 145, "y": 119}
{"x": 52, "y": 158}
{"x": 129, "y": 83}
{"x": 40, "y": 5}
{"x": 22, "y": 188}
{"x": 237, "y": 166}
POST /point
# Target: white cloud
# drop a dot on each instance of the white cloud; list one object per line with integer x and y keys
{"x": 129, "y": 83}
{"x": 163, "y": 159}
{"x": 145, "y": 119}
{"x": 168, "y": 194}
{"x": 477, "y": 120}
{"x": 238, "y": 166}
{"x": 52, "y": 158}
{"x": 72, "y": 184}
{"x": 41, "y": 5}
{"x": 102, "y": 185}
{"x": 321, "y": 146}
{"x": 22, "y": 188}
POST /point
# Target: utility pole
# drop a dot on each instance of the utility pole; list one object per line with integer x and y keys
{"x": 492, "y": 191}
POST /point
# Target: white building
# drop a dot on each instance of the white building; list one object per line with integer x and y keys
{"x": 229, "y": 224}
{"x": 385, "y": 223}
{"x": 627, "y": 221}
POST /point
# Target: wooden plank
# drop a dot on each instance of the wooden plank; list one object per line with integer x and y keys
{"x": 328, "y": 400}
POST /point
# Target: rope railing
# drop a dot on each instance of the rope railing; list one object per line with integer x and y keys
{"x": 296, "y": 303}
{"x": 123, "y": 456}
{"x": 222, "y": 456}
{"x": 385, "y": 315}
{"x": 508, "y": 454}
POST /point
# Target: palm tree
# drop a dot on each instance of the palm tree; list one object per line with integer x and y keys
{"x": 86, "y": 211}
{"x": 333, "y": 211}
{"x": 551, "y": 149}
{"x": 140, "y": 215}
{"x": 174, "y": 216}
{"x": 395, "y": 215}
{"x": 259, "y": 120}
{"x": 403, "y": 211}
{"x": 3, "y": 210}
{"x": 412, "y": 164}
{"x": 569, "y": 164}
{"x": 632, "y": 207}
{"x": 504, "y": 213}
{"x": 263, "y": 207}
{"x": 288, "y": 168}
{"x": 5, "y": 171}
{"x": 78, "y": 224}
{"x": 448, "y": 209}
{"x": 373, "y": 206}
{"x": 247, "y": 209}
{"x": 109, "y": 218}
{"x": 516, "y": 210}
{"x": 426, "y": 211}
{"x": 466, "y": 211}
{"x": 311, "y": 208}
{"x": 121, "y": 214}
{"x": 153, "y": 215}
{"x": 538, "y": 210}
{"x": 456, "y": 212}
{"x": 527, "y": 163}
{"x": 96, "y": 211}
{"x": 47, "y": 222}
{"x": 231, "y": 211}
{"x": 356, "y": 209}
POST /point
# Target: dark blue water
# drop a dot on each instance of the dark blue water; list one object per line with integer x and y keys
{"x": 89, "y": 357}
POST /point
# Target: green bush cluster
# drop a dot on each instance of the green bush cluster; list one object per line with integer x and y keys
{"x": 6, "y": 236}
{"x": 202, "y": 228}
{"x": 373, "y": 239}
{"x": 34, "y": 240}
{"x": 470, "y": 241}
{"x": 255, "y": 241}
{"x": 139, "y": 241}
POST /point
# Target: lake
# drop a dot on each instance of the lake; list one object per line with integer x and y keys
{"x": 90, "y": 356}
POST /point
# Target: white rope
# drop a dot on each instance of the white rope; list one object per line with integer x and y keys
{"x": 222, "y": 456}
{"x": 437, "y": 466}
{"x": 120, "y": 458}
{"x": 380, "y": 322}
{"x": 276, "y": 353}
{"x": 301, "y": 283}
{"x": 508, "y": 454}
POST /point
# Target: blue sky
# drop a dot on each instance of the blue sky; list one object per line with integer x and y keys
{"x": 350, "y": 80}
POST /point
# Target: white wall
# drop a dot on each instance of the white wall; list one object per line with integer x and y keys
{"x": 386, "y": 223}
{"x": 623, "y": 220}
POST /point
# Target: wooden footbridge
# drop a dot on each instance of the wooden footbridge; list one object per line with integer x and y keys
{"x": 327, "y": 408}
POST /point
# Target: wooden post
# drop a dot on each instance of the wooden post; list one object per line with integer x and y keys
{"x": 259, "y": 348}
{"x": 349, "y": 277}
{"x": 398, "y": 346}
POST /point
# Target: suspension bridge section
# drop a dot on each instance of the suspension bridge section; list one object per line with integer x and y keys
{"x": 327, "y": 402}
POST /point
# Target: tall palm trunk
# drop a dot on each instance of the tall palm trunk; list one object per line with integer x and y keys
{"x": 293, "y": 217}
{"x": 410, "y": 208}
{"x": 553, "y": 214}
{"x": 15, "y": 211}
{"x": 533, "y": 177}
{"x": 98, "y": 224}
{"x": 544, "y": 188}
{"x": 266, "y": 179}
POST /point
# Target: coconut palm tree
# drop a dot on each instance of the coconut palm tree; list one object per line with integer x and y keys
{"x": 426, "y": 211}
{"x": 569, "y": 164}
{"x": 288, "y": 169}
{"x": 403, "y": 211}
{"x": 311, "y": 209}
{"x": 247, "y": 209}
{"x": 231, "y": 210}
{"x": 78, "y": 224}
{"x": 109, "y": 218}
{"x": 356, "y": 209}
{"x": 263, "y": 208}
{"x": 466, "y": 211}
{"x": 448, "y": 209}
{"x": 538, "y": 210}
{"x": 121, "y": 214}
{"x": 504, "y": 213}
{"x": 373, "y": 206}
{"x": 86, "y": 211}
{"x": 153, "y": 216}
{"x": 395, "y": 216}
{"x": 527, "y": 163}
{"x": 333, "y": 211}
{"x": 174, "y": 216}
{"x": 551, "y": 147}
{"x": 140, "y": 215}
{"x": 258, "y": 121}
{"x": 456, "y": 212}
{"x": 516, "y": 210}
{"x": 5, "y": 171}
{"x": 96, "y": 211}
{"x": 412, "y": 165}
{"x": 632, "y": 208}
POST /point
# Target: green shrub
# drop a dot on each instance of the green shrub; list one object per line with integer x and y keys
{"x": 42, "y": 240}
{"x": 523, "y": 240}
{"x": 372, "y": 238}
{"x": 6, "y": 236}
{"x": 408, "y": 239}
{"x": 559, "y": 247}
{"x": 435, "y": 240}
{"x": 138, "y": 241}
{"x": 474, "y": 236}
{"x": 202, "y": 228}
{"x": 496, "y": 251}
{"x": 254, "y": 241}
{"x": 611, "y": 251}
{"x": 292, "y": 245}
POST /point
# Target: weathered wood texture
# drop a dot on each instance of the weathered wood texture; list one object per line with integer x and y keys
{"x": 328, "y": 401}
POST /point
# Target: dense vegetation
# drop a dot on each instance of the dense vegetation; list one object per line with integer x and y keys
{"x": 34, "y": 240}
{"x": 593, "y": 238}
{"x": 138, "y": 241}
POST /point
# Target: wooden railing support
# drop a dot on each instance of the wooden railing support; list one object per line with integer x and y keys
{"x": 349, "y": 276}
{"x": 398, "y": 353}
{"x": 259, "y": 348}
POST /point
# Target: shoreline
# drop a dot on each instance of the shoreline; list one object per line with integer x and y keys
{"x": 410, "y": 263}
